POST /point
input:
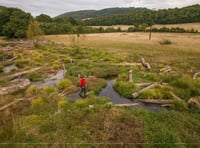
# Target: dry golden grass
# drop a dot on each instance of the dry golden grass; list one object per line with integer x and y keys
{"x": 188, "y": 26}
{"x": 2, "y": 39}
{"x": 182, "y": 41}
{"x": 185, "y": 47}
{"x": 123, "y": 27}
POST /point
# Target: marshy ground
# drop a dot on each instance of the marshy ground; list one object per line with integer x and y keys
{"x": 51, "y": 118}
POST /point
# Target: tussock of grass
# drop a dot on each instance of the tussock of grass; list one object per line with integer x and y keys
{"x": 165, "y": 42}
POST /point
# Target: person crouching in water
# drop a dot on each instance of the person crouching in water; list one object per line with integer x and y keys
{"x": 83, "y": 87}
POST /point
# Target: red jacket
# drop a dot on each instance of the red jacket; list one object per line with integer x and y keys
{"x": 83, "y": 82}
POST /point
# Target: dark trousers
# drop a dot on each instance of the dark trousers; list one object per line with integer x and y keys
{"x": 83, "y": 91}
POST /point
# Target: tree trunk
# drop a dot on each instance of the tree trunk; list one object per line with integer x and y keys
{"x": 150, "y": 32}
{"x": 195, "y": 75}
{"x": 145, "y": 64}
{"x": 136, "y": 94}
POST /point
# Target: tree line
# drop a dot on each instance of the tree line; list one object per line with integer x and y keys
{"x": 170, "y": 16}
{"x": 82, "y": 14}
{"x": 15, "y": 23}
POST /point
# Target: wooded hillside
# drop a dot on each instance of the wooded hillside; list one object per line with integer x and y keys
{"x": 104, "y": 12}
{"x": 168, "y": 16}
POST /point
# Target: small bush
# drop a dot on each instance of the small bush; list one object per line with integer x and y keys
{"x": 97, "y": 100}
{"x": 1, "y": 68}
{"x": 81, "y": 103}
{"x": 63, "y": 84}
{"x": 165, "y": 42}
{"x": 22, "y": 62}
{"x": 123, "y": 77}
{"x": 56, "y": 66}
{"x": 124, "y": 88}
{"x": 186, "y": 87}
{"x": 180, "y": 105}
{"x": 49, "y": 90}
{"x": 27, "y": 68}
{"x": 32, "y": 90}
{"x": 62, "y": 103}
{"x": 38, "y": 102}
{"x": 152, "y": 94}
{"x": 34, "y": 76}
{"x": 95, "y": 84}
{"x": 168, "y": 77}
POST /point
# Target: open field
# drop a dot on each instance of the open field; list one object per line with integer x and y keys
{"x": 184, "y": 48}
{"x": 186, "y": 26}
{"x": 123, "y": 27}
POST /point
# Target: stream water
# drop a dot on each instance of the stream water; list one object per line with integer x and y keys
{"x": 9, "y": 68}
{"x": 52, "y": 80}
{"x": 108, "y": 92}
{"x": 115, "y": 98}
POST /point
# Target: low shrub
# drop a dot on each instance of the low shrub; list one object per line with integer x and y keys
{"x": 49, "y": 90}
{"x": 180, "y": 105}
{"x": 165, "y": 42}
{"x": 81, "y": 103}
{"x": 152, "y": 94}
{"x": 38, "y": 102}
{"x": 186, "y": 87}
{"x": 95, "y": 84}
{"x": 63, "y": 103}
{"x": 63, "y": 84}
{"x": 56, "y": 66}
{"x": 22, "y": 62}
{"x": 165, "y": 77}
{"x": 1, "y": 68}
{"x": 32, "y": 90}
{"x": 124, "y": 88}
{"x": 123, "y": 77}
{"x": 35, "y": 76}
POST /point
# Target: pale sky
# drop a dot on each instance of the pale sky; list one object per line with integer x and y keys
{"x": 57, "y": 7}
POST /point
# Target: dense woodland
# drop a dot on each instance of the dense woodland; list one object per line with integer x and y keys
{"x": 104, "y": 12}
{"x": 170, "y": 16}
{"x": 14, "y": 22}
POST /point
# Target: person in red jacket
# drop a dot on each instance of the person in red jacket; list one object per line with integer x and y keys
{"x": 83, "y": 87}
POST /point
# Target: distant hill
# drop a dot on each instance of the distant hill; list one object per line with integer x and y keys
{"x": 1, "y": 8}
{"x": 189, "y": 14}
{"x": 82, "y": 14}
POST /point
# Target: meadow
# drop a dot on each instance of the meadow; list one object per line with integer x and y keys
{"x": 53, "y": 119}
{"x": 186, "y": 26}
{"x": 184, "y": 48}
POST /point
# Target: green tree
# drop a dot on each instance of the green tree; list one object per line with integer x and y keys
{"x": 17, "y": 25}
{"x": 43, "y": 18}
{"x": 34, "y": 31}
{"x": 4, "y": 18}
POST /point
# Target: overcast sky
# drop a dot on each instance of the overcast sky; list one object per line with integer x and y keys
{"x": 56, "y": 7}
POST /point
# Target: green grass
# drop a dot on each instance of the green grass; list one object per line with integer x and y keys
{"x": 76, "y": 122}
{"x": 53, "y": 118}
{"x": 125, "y": 88}
{"x": 171, "y": 129}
